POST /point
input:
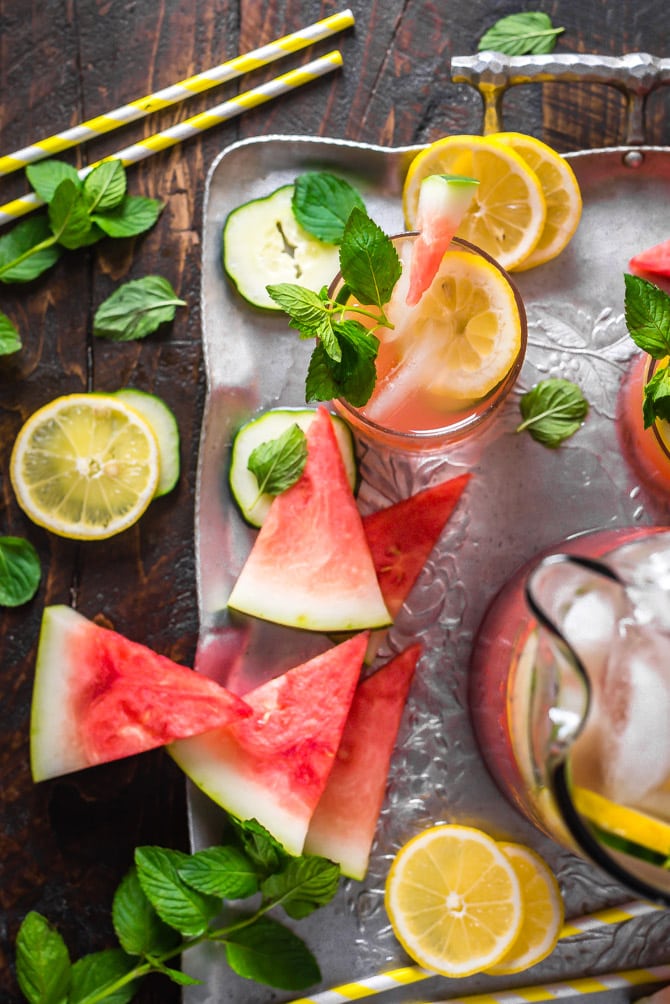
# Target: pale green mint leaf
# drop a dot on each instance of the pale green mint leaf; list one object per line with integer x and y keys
{"x": 552, "y": 411}
{"x": 136, "y": 309}
{"x": 220, "y": 871}
{"x": 322, "y": 203}
{"x": 21, "y": 240}
{"x": 269, "y": 953}
{"x": 10, "y": 340}
{"x": 368, "y": 260}
{"x": 278, "y": 463}
{"x": 307, "y": 313}
{"x": 137, "y": 925}
{"x": 265, "y": 853}
{"x": 134, "y": 215}
{"x": 99, "y": 974}
{"x": 527, "y": 33}
{"x": 647, "y": 310}
{"x": 42, "y": 962}
{"x": 46, "y": 176}
{"x": 69, "y": 219}
{"x": 656, "y": 402}
{"x": 353, "y": 377}
{"x": 178, "y": 904}
{"x": 105, "y": 186}
{"x": 305, "y": 884}
{"x": 20, "y": 571}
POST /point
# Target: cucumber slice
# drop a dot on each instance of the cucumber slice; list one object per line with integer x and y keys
{"x": 267, "y": 426}
{"x": 164, "y": 425}
{"x": 263, "y": 244}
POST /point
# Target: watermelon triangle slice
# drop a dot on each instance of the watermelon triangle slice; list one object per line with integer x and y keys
{"x": 402, "y": 535}
{"x": 310, "y": 565}
{"x": 98, "y": 696}
{"x": 274, "y": 766}
{"x": 344, "y": 822}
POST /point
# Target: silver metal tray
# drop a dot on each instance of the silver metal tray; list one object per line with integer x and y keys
{"x": 521, "y": 498}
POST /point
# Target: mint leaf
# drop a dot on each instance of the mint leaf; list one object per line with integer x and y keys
{"x": 69, "y": 219}
{"x": 308, "y": 314}
{"x": 42, "y": 961}
{"x": 20, "y": 242}
{"x": 368, "y": 260}
{"x": 46, "y": 176}
{"x": 647, "y": 311}
{"x": 265, "y": 853}
{"x": 527, "y": 33}
{"x": 269, "y": 953}
{"x": 20, "y": 571}
{"x": 322, "y": 204}
{"x": 305, "y": 884}
{"x": 656, "y": 402}
{"x": 220, "y": 871}
{"x": 95, "y": 975}
{"x": 137, "y": 925}
{"x": 354, "y": 376}
{"x": 10, "y": 340}
{"x": 179, "y": 905}
{"x": 134, "y": 215}
{"x": 105, "y": 186}
{"x": 136, "y": 309}
{"x": 278, "y": 463}
{"x": 552, "y": 411}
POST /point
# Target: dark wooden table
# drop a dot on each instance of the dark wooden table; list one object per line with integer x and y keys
{"x": 65, "y": 844}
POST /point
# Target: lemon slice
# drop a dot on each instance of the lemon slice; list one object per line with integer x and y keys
{"x": 85, "y": 466}
{"x": 507, "y": 214}
{"x": 561, "y": 194}
{"x": 454, "y": 900}
{"x": 542, "y": 911}
{"x": 631, "y": 824}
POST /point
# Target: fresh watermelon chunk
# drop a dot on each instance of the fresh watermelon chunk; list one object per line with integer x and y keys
{"x": 402, "y": 535}
{"x": 310, "y": 565}
{"x": 98, "y": 697}
{"x": 655, "y": 260}
{"x": 344, "y": 822}
{"x": 274, "y": 766}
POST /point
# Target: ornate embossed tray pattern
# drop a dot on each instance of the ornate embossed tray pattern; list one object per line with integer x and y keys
{"x": 522, "y": 498}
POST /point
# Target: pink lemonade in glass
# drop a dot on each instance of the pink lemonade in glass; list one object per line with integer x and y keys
{"x": 449, "y": 362}
{"x": 570, "y": 699}
{"x": 647, "y": 450}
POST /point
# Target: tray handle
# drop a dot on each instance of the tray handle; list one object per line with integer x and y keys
{"x": 635, "y": 74}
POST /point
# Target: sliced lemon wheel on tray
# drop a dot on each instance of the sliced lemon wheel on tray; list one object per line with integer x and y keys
{"x": 85, "y": 466}
{"x": 454, "y": 900}
{"x": 562, "y": 195}
{"x": 508, "y": 211}
{"x": 543, "y": 911}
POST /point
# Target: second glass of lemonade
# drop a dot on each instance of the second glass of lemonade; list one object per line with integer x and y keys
{"x": 450, "y": 361}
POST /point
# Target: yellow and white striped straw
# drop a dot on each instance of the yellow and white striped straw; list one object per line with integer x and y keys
{"x": 193, "y": 126}
{"x": 569, "y": 989}
{"x": 177, "y": 92}
{"x": 407, "y": 975}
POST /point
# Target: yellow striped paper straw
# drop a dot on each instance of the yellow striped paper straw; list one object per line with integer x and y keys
{"x": 192, "y": 127}
{"x": 620, "y": 980}
{"x": 177, "y": 92}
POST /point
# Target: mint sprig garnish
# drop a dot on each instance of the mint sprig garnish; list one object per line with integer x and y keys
{"x": 171, "y": 901}
{"x": 343, "y": 360}
{"x": 552, "y": 411}
{"x": 322, "y": 204}
{"x": 527, "y": 33}
{"x": 647, "y": 312}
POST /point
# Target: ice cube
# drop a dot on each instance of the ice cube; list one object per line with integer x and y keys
{"x": 590, "y": 624}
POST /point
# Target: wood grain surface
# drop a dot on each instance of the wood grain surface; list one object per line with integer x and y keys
{"x": 65, "y": 844}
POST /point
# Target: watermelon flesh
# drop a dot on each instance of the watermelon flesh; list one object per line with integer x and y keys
{"x": 655, "y": 260}
{"x": 98, "y": 697}
{"x": 310, "y": 565}
{"x": 343, "y": 825}
{"x": 274, "y": 765}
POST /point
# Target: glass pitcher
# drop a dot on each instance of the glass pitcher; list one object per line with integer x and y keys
{"x": 570, "y": 699}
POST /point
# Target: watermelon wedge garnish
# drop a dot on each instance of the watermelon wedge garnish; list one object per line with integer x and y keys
{"x": 310, "y": 565}
{"x": 274, "y": 766}
{"x": 443, "y": 201}
{"x": 98, "y": 697}
{"x": 402, "y": 535}
{"x": 655, "y": 260}
{"x": 345, "y": 819}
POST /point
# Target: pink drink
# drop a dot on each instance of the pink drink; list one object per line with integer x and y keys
{"x": 646, "y": 449}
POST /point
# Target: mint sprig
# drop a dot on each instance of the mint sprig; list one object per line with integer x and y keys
{"x": 647, "y": 312}
{"x": 171, "y": 901}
